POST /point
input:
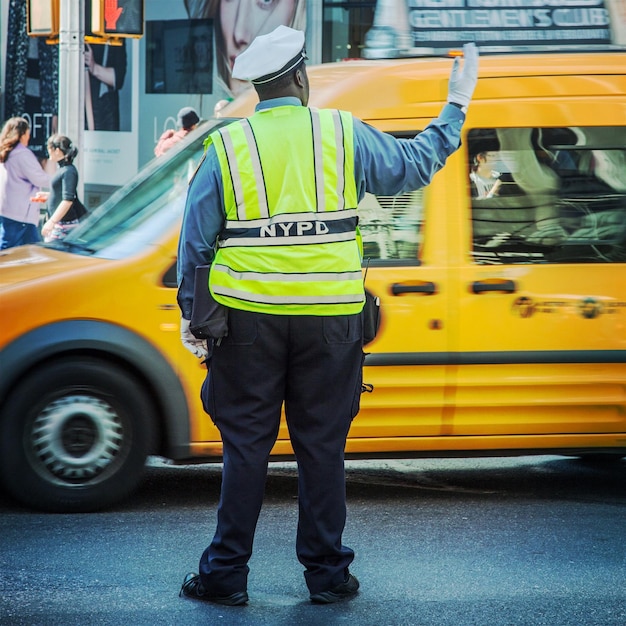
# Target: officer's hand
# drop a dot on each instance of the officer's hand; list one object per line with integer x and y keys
{"x": 197, "y": 347}
{"x": 463, "y": 81}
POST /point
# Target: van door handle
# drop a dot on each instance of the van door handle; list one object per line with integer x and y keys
{"x": 494, "y": 284}
{"x": 420, "y": 287}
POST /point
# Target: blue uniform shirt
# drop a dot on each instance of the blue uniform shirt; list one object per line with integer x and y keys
{"x": 383, "y": 165}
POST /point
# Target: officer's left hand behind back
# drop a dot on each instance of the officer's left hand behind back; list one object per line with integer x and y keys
{"x": 463, "y": 81}
{"x": 196, "y": 346}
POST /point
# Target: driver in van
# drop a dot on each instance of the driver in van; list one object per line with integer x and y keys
{"x": 273, "y": 208}
{"x": 485, "y": 180}
{"x": 491, "y": 171}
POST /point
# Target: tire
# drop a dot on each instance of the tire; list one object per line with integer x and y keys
{"x": 74, "y": 436}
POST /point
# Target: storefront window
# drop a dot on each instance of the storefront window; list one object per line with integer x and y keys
{"x": 346, "y": 23}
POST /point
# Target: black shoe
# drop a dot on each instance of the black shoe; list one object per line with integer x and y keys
{"x": 192, "y": 588}
{"x": 346, "y": 589}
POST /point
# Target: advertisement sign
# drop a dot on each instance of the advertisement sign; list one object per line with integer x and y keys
{"x": 111, "y": 111}
{"x": 414, "y": 27}
{"x": 190, "y": 47}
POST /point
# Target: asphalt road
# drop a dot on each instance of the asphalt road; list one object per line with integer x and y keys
{"x": 487, "y": 542}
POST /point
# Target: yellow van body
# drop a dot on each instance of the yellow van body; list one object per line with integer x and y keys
{"x": 503, "y": 319}
{"x": 455, "y": 370}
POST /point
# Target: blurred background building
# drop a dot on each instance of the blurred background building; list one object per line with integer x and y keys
{"x": 182, "y": 58}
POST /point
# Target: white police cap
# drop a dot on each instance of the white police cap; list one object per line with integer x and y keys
{"x": 270, "y": 56}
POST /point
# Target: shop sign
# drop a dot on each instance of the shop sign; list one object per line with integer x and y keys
{"x": 427, "y": 27}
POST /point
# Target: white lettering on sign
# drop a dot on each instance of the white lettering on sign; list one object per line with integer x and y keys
{"x": 508, "y": 18}
{"x": 436, "y": 4}
{"x": 449, "y": 23}
{"x": 501, "y": 4}
{"x": 544, "y": 36}
{"x": 580, "y": 17}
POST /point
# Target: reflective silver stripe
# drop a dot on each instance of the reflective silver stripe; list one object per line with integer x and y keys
{"x": 341, "y": 159}
{"x": 291, "y": 217}
{"x": 267, "y": 299}
{"x": 275, "y": 276}
{"x": 256, "y": 168}
{"x": 234, "y": 172}
{"x": 236, "y": 175}
{"x": 318, "y": 160}
{"x": 318, "y": 152}
{"x": 298, "y": 240}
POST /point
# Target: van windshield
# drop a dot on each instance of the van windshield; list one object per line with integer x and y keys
{"x": 144, "y": 210}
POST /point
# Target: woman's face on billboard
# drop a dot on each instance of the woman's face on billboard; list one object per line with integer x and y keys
{"x": 243, "y": 20}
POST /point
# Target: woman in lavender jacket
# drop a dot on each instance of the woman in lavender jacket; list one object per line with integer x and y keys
{"x": 22, "y": 179}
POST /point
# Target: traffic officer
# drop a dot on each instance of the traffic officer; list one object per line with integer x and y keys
{"x": 273, "y": 208}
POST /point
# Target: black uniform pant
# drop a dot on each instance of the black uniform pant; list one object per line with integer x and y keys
{"x": 314, "y": 366}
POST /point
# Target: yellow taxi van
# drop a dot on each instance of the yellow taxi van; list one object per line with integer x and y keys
{"x": 502, "y": 289}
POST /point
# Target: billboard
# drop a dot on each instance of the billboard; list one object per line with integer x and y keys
{"x": 426, "y": 27}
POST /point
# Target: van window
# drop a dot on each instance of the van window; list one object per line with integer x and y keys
{"x": 140, "y": 212}
{"x": 548, "y": 195}
{"x": 391, "y": 225}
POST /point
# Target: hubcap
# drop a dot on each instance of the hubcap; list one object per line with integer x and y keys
{"x": 75, "y": 438}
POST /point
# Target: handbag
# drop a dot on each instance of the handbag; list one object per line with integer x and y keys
{"x": 209, "y": 318}
{"x": 77, "y": 210}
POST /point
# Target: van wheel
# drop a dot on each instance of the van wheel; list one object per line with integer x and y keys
{"x": 74, "y": 436}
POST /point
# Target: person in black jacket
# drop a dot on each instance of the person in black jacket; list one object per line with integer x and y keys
{"x": 63, "y": 205}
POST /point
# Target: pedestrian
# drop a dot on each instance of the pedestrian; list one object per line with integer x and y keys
{"x": 23, "y": 179}
{"x": 64, "y": 207}
{"x": 187, "y": 120}
{"x": 273, "y": 208}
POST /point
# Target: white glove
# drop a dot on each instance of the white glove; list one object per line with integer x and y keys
{"x": 197, "y": 347}
{"x": 462, "y": 82}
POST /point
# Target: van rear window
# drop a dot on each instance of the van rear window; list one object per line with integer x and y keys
{"x": 548, "y": 195}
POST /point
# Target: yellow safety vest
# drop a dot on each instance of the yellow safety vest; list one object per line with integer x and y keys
{"x": 290, "y": 243}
